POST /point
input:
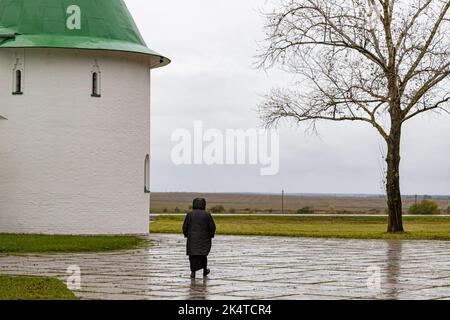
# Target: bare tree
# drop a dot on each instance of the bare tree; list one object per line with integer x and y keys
{"x": 382, "y": 62}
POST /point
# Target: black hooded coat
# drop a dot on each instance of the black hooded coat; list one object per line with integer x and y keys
{"x": 199, "y": 229}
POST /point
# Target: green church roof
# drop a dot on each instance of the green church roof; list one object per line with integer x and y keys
{"x": 72, "y": 24}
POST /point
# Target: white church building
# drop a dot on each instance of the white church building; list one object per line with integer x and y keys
{"x": 74, "y": 118}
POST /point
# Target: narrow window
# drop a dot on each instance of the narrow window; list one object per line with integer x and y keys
{"x": 95, "y": 85}
{"x": 147, "y": 174}
{"x": 17, "y": 82}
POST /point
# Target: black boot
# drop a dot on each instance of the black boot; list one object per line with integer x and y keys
{"x": 206, "y": 272}
{"x": 192, "y": 275}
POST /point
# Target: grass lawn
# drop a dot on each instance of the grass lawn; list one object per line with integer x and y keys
{"x": 417, "y": 228}
{"x": 17, "y": 244}
{"x": 33, "y": 288}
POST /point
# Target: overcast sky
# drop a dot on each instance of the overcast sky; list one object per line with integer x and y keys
{"x": 211, "y": 78}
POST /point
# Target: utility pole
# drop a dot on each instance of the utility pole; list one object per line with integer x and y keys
{"x": 282, "y": 202}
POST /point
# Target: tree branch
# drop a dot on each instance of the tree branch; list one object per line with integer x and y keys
{"x": 434, "y": 107}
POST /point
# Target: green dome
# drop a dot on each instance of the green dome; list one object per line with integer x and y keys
{"x": 72, "y": 24}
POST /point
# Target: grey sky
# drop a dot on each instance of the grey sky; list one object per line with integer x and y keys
{"x": 211, "y": 78}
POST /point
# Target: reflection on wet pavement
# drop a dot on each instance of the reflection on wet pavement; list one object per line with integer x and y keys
{"x": 198, "y": 289}
{"x": 256, "y": 268}
{"x": 394, "y": 255}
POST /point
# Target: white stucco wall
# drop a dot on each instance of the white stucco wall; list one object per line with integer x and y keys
{"x": 71, "y": 163}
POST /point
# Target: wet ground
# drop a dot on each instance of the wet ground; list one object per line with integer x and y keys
{"x": 256, "y": 268}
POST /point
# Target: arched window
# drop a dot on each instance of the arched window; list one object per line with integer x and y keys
{"x": 96, "y": 84}
{"x": 18, "y": 81}
{"x": 17, "y": 77}
{"x": 147, "y": 174}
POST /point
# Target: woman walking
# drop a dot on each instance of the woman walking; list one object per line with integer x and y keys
{"x": 199, "y": 228}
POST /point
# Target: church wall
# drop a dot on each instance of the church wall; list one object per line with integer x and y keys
{"x": 71, "y": 163}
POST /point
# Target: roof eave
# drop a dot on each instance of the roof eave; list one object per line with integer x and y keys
{"x": 156, "y": 60}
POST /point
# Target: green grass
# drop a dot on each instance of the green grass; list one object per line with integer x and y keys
{"x": 18, "y": 244}
{"x": 417, "y": 228}
{"x": 33, "y": 288}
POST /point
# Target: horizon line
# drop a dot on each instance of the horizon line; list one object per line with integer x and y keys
{"x": 305, "y": 193}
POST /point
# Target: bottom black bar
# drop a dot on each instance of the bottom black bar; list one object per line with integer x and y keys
{"x": 198, "y": 310}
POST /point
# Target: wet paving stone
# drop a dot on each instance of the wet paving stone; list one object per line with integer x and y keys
{"x": 255, "y": 268}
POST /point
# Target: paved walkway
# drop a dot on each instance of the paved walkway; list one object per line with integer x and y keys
{"x": 256, "y": 268}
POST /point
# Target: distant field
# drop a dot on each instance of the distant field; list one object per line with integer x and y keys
{"x": 260, "y": 203}
{"x": 417, "y": 228}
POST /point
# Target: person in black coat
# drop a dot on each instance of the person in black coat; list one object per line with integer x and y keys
{"x": 199, "y": 229}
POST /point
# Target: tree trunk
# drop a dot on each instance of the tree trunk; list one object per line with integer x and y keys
{"x": 394, "y": 198}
